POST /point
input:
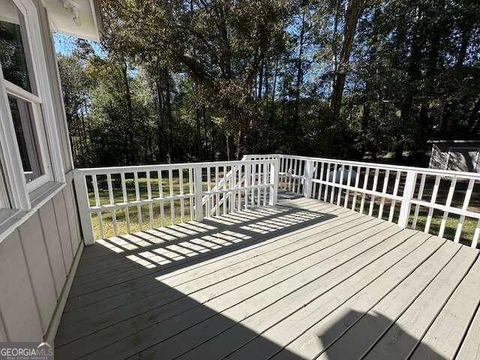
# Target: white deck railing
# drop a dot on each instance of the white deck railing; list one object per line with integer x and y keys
{"x": 136, "y": 198}
{"x": 443, "y": 203}
{"x": 438, "y": 202}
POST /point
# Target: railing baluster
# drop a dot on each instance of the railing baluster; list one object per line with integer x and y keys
{"x": 125, "y": 200}
{"x": 182, "y": 200}
{"x": 190, "y": 189}
{"x": 357, "y": 181}
{"x": 466, "y": 202}
{"x": 112, "y": 202}
{"x": 259, "y": 183}
{"x": 384, "y": 192}
{"x": 95, "y": 190}
{"x": 395, "y": 193}
{"x": 224, "y": 193}
{"x": 339, "y": 196}
{"x": 419, "y": 197}
{"x": 97, "y": 204}
{"x": 327, "y": 181}
{"x": 274, "y": 165}
{"x": 266, "y": 177}
{"x": 232, "y": 189}
{"x": 172, "y": 202}
{"x": 372, "y": 199}
{"x": 290, "y": 174}
{"x": 217, "y": 195}
{"x": 365, "y": 184}
{"x": 137, "y": 198}
{"x": 252, "y": 184}
{"x": 247, "y": 183}
{"x": 320, "y": 185}
{"x": 432, "y": 202}
{"x": 209, "y": 196}
{"x": 347, "y": 192}
{"x": 476, "y": 235}
{"x": 160, "y": 194}
{"x": 447, "y": 204}
{"x": 294, "y": 187}
{"x": 334, "y": 181}
{"x": 239, "y": 185}
{"x": 150, "y": 204}
{"x": 198, "y": 194}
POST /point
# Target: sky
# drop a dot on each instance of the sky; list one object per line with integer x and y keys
{"x": 65, "y": 44}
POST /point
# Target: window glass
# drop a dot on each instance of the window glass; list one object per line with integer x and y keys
{"x": 27, "y": 137}
{"x": 14, "y": 54}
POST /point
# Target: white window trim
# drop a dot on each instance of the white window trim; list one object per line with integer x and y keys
{"x": 36, "y": 102}
{"x": 18, "y": 189}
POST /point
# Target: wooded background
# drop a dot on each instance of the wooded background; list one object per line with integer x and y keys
{"x": 215, "y": 79}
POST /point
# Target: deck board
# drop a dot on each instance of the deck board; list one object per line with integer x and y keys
{"x": 299, "y": 281}
{"x": 447, "y": 331}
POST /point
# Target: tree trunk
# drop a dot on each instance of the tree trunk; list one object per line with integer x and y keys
{"x": 299, "y": 81}
{"x": 473, "y": 118}
{"x": 227, "y": 143}
{"x": 260, "y": 82}
{"x": 353, "y": 12}
{"x": 128, "y": 96}
{"x": 462, "y": 52}
{"x": 414, "y": 74}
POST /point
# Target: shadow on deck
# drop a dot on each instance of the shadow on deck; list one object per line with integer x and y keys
{"x": 119, "y": 304}
{"x": 207, "y": 290}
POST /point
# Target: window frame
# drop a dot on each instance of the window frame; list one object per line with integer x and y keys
{"x": 36, "y": 104}
{"x": 18, "y": 191}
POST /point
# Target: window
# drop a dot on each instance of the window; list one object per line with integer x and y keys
{"x": 25, "y": 105}
{"x": 28, "y": 136}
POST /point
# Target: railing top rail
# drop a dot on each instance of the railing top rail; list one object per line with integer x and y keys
{"x": 450, "y": 173}
{"x": 142, "y": 168}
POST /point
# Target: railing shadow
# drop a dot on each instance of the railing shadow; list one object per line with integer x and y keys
{"x": 398, "y": 343}
{"x": 123, "y": 303}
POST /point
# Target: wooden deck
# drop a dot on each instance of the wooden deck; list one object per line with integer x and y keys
{"x": 302, "y": 280}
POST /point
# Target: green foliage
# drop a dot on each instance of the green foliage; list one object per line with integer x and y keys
{"x": 204, "y": 80}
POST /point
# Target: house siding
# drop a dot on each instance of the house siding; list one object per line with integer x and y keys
{"x": 438, "y": 158}
{"x": 35, "y": 261}
{"x": 453, "y": 156}
{"x": 55, "y": 87}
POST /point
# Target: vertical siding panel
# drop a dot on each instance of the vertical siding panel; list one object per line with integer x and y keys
{"x": 39, "y": 268}
{"x": 54, "y": 246}
{"x": 72, "y": 216}
{"x": 17, "y": 303}
{"x": 63, "y": 229}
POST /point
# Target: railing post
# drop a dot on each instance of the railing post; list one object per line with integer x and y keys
{"x": 307, "y": 178}
{"x": 81, "y": 194}
{"x": 407, "y": 197}
{"x": 198, "y": 194}
{"x": 274, "y": 170}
